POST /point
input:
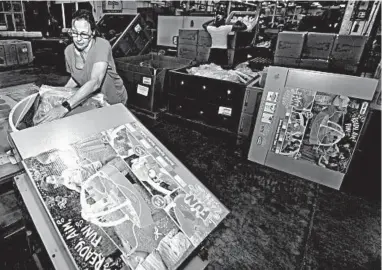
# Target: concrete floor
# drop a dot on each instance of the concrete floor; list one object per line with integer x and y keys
{"x": 277, "y": 221}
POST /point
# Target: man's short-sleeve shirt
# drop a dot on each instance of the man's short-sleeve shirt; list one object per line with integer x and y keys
{"x": 219, "y": 36}
{"x": 112, "y": 86}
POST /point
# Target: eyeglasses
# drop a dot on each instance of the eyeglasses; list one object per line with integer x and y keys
{"x": 82, "y": 35}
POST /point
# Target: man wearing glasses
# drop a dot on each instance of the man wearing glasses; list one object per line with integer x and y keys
{"x": 91, "y": 65}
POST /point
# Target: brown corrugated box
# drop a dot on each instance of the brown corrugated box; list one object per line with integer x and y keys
{"x": 290, "y": 44}
{"x": 188, "y": 36}
{"x": 318, "y": 45}
{"x": 318, "y": 64}
{"x": 348, "y": 48}
{"x": 187, "y": 51}
{"x": 204, "y": 38}
{"x": 202, "y": 54}
{"x": 286, "y": 61}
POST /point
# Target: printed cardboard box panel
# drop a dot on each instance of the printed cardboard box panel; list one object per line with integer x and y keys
{"x": 296, "y": 130}
{"x": 318, "y": 45}
{"x": 188, "y": 36}
{"x": 348, "y": 48}
{"x": 187, "y": 51}
{"x": 318, "y": 64}
{"x": 290, "y": 44}
{"x": 119, "y": 155}
{"x": 286, "y": 61}
{"x": 204, "y": 38}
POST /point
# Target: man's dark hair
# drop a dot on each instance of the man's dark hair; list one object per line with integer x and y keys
{"x": 83, "y": 14}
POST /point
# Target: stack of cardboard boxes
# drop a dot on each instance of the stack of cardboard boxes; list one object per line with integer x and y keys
{"x": 194, "y": 44}
{"x": 320, "y": 51}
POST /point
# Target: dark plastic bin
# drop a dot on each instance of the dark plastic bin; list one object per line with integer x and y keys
{"x": 145, "y": 78}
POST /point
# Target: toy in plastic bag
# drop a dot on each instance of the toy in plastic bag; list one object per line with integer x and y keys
{"x": 51, "y": 96}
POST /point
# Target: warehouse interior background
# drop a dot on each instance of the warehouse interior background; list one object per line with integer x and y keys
{"x": 212, "y": 119}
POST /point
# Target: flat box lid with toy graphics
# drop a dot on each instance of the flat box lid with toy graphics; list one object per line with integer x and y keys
{"x": 309, "y": 123}
{"x": 117, "y": 198}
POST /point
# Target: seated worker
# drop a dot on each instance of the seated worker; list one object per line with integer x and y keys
{"x": 219, "y": 34}
{"x": 91, "y": 65}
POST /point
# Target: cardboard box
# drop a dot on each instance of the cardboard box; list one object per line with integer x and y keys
{"x": 118, "y": 120}
{"x": 290, "y": 44}
{"x": 318, "y": 45}
{"x": 252, "y": 100}
{"x": 317, "y": 64}
{"x": 348, "y": 48}
{"x": 8, "y": 52}
{"x": 272, "y": 143}
{"x": 286, "y": 61}
{"x": 188, "y": 36}
{"x": 204, "y": 38}
{"x": 245, "y": 125}
{"x": 24, "y": 52}
{"x": 339, "y": 66}
{"x": 203, "y": 53}
{"x": 187, "y": 51}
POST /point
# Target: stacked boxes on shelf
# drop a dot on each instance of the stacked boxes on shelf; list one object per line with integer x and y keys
{"x": 194, "y": 44}
{"x": 221, "y": 104}
{"x": 144, "y": 78}
{"x": 15, "y": 52}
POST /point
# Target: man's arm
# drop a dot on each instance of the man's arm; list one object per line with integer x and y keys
{"x": 207, "y": 24}
{"x": 95, "y": 82}
{"x": 90, "y": 87}
{"x": 71, "y": 83}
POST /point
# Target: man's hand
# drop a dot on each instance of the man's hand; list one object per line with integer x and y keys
{"x": 55, "y": 113}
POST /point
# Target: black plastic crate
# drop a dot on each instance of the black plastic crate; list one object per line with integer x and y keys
{"x": 204, "y": 112}
{"x": 214, "y": 91}
{"x": 145, "y": 78}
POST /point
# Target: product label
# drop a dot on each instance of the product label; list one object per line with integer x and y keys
{"x": 147, "y": 80}
{"x": 142, "y": 90}
{"x": 225, "y": 111}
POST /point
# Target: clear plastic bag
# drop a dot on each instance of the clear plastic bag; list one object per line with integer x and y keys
{"x": 51, "y": 96}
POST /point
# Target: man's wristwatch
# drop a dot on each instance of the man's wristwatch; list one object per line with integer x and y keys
{"x": 66, "y": 105}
